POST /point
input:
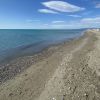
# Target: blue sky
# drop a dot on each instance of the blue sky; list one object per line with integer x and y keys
{"x": 49, "y": 14}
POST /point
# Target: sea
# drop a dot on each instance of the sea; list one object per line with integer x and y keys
{"x": 21, "y": 42}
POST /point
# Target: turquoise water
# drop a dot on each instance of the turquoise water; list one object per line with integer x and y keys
{"x": 26, "y": 41}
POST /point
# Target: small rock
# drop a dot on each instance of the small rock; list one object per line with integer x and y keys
{"x": 86, "y": 95}
{"x": 10, "y": 94}
{"x": 19, "y": 71}
{"x": 53, "y": 99}
{"x": 25, "y": 74}
{"x": 69, "y": 88}
{"x": 86, "y": 65}
{"x": 20, "y": 92}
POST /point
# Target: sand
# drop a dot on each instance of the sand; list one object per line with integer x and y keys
{"x": 72, "y": 72}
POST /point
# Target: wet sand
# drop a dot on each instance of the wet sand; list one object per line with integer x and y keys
{"x": 69, "y": 71}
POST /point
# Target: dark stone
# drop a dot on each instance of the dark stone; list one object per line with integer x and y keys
{"x": 11, "y": 94}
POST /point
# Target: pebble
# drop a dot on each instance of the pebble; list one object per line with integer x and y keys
{"x": 53, "y": 99}
{"x": 10, "y": 94}
{"x": 86, "y": 95}
{"x": 69, "y": 88}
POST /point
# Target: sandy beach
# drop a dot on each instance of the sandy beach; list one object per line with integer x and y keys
{"x": 68, "y": 71}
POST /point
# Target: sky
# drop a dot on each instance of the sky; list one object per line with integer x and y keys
{"x": 49, "y": 14}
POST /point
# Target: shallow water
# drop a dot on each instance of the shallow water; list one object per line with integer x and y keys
{"x": 23, "y": 41}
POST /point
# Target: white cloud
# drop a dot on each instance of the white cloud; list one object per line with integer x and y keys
{"x": 46, "y": 24}
{"x": 75, "y": 15}
{"x": 47, "y": 11}
{"x": 87, "y": 13}
{"x": 97, "y": 5}
{"x": 61, "y": 26}
{"x": 91, "y": 20}
{"x": 58, "y": 22}
{"x": 30, "y": 20}
{"x": 72, "y": 25}
{"x": 65, "y": 24}
{"x": 62, "y": 6}
{"x": 82, "y": 23}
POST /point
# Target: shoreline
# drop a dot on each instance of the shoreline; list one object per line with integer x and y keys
{"x": 11, "y": 66}
{"x": 33, "y": 48}
{"x": 19, "y": 50}
{"x": 71, "y": 72}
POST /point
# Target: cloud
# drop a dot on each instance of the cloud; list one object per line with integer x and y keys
{"x": 97, "y": 5}
{"x": 87, "y": 13}
{"x": 75, "y": 15}
{"x": 30, "y": 20}
{"x": 61, "y": 26}
{"x": 57, "y": 22}
{"x": 47, "y": 11}
{"x": 80, "y": 23}
{"x": 46, "y": 24}
{"x": 73, "y": 24}
{"x": 91, "y": 20}
{"x": 68, "y": 25}
{"x": 65, "y": 24}
{"x": 62, "y": 6}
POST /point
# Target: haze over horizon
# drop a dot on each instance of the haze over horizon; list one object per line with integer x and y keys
{"x": 49, "y": 14}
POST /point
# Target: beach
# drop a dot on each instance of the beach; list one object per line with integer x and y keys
{"x": 67, "y": 71}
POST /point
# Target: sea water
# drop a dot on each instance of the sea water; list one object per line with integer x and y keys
{"x": 15, "y": 42}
